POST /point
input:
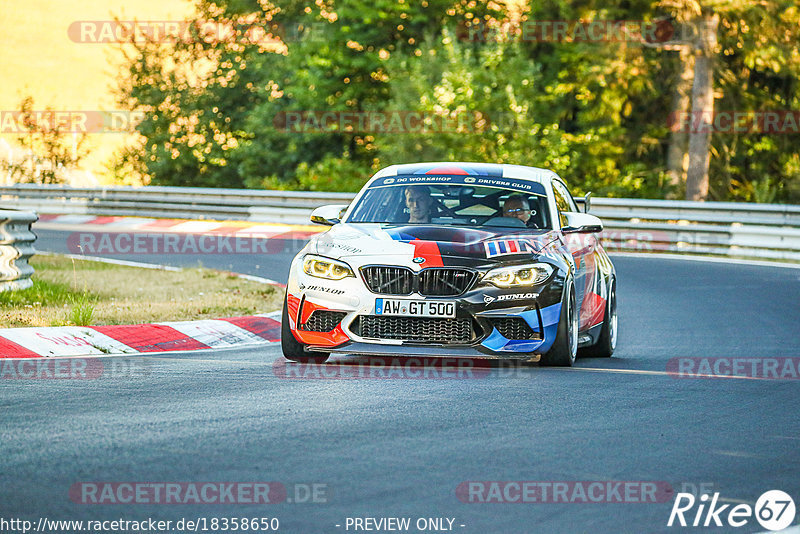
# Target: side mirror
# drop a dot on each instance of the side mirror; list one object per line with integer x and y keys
{"x": 581, "y": 223}
{"x": 586, "y": 201}
{"x": 328, "y": 215}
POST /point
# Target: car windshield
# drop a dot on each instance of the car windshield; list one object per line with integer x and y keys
{"x": 454, "y": 201}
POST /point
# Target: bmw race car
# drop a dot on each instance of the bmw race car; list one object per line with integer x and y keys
{"x": 454, "y": 259}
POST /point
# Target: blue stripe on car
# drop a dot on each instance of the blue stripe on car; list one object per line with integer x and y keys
{"x": 550, "y": 317}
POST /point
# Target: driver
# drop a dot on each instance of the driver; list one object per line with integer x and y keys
{"x": 419, "y": 203}
{"x": 517, "y": 207}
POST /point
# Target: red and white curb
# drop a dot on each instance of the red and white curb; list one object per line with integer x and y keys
{"x": 142, "y": 338}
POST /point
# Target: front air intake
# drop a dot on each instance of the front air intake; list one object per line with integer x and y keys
{"x": 323, "y": 321}
{"x": 432, "y": 282}
{"x": 415, "y": 329}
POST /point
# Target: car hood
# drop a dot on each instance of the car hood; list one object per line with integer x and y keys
{"x": 435, "y": 243}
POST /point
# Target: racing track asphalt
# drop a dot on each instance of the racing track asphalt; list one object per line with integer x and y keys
{"x": 400, "y": 447}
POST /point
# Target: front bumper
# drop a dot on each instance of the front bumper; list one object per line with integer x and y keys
{"x": 496, "y": 317}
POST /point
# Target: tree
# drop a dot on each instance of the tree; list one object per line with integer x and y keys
{"x": 197, "y": 90}
{"x": 702, "y": 106}
{"x": 52, "y": 151}
{"x": 213, "y": 105}
{"x": 595, "y": 111}
{"x": 342, "y": 63}
{"x": 757, "y": 42}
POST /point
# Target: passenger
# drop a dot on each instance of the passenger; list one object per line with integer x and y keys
{"x": 517, "y": 207}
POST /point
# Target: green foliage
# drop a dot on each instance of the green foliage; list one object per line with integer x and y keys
{"x": 328, "y": 174}
{"x": 759, "y": 70}
{"x": 41, "y": 293}
{"x": 80, "y": 305}
{"x": 595, "y": 112}
{"x": 50, "y": 148}
{"x": 81, "y": 309}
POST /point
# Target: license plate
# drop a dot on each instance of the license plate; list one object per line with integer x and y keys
{"x": 415, "y": 308}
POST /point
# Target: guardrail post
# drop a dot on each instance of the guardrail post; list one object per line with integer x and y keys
{"x": 16, "y": 247}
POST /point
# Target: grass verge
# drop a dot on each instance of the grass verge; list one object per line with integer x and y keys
{"x": 80, "y": 292}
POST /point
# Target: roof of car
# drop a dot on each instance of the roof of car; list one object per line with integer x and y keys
{"x": 469, "y": 168}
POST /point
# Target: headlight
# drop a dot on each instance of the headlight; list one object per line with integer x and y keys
{"x": 518, "y": 275}
{"x": 326, "y": 268}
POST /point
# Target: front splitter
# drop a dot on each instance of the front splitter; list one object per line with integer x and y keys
{"x": 442, "y": 351}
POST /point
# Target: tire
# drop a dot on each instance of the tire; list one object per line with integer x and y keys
{"x": 607, "y": 341}
{"x": 565, "y": 348}
{"x": 293, "y": 349}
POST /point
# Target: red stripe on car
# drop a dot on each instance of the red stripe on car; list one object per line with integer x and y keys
{"x": 428, "y": 250}
{"x": 593, "y": 310}
{"x": 447, "y": 170}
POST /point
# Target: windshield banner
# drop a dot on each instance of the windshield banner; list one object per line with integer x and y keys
{"x": 526, "y": 186}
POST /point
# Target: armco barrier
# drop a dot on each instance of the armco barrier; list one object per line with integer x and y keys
{"x": 757, "y": 231}
{"x": 763, "y": 231}
{"x": 16, "y": 247}
{"x": 173, "y": 202}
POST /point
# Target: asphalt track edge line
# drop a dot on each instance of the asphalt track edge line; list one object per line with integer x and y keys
{"x": 150, "y": 355}
{"x": 709, "y": 259}
{"x": 656, "y": 373}
{"x": 125, "y": 263}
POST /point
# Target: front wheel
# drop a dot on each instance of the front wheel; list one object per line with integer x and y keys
{"x": 293, "y": 349}
{"x": 565, "y": 347}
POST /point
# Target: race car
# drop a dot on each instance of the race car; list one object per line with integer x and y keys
{"x": 458, "y": 260}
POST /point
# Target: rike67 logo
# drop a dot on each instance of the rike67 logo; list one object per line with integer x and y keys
{"x": 774, "y": 510}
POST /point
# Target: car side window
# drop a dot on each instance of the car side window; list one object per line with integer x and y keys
{"x": 562, "y": 203}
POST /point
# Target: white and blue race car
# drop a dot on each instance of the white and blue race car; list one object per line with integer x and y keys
{"x": 454, "y": 259}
